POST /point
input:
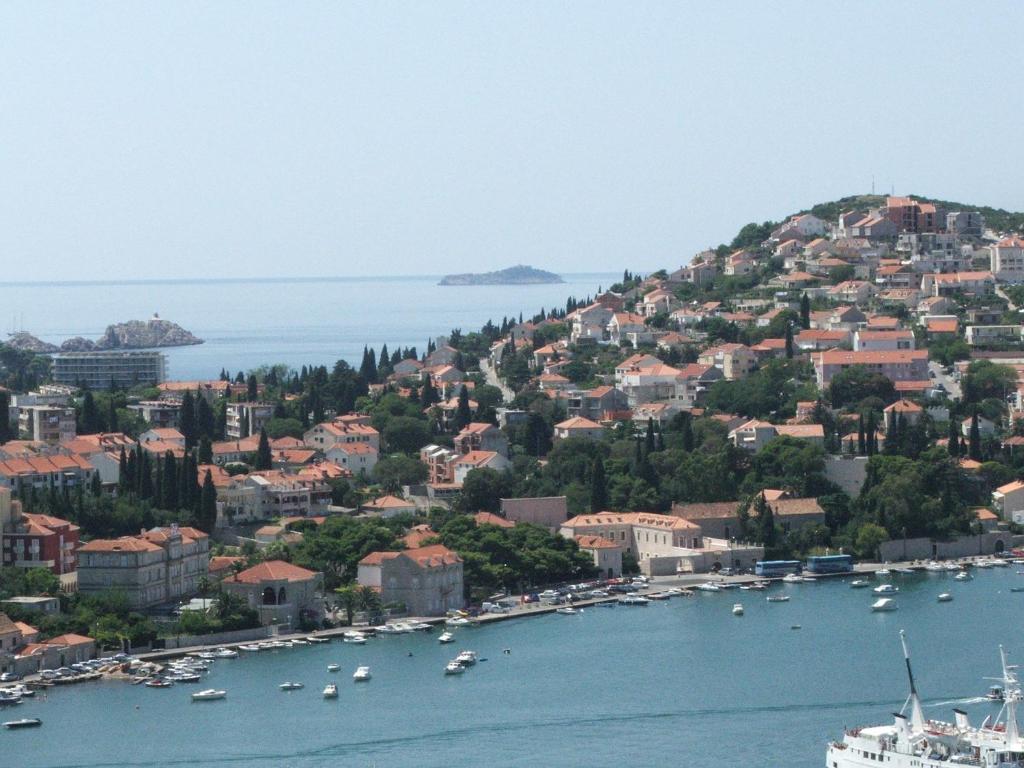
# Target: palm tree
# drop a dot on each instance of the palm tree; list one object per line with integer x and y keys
{"x": 349, "y": 600}
{"x": 369, "y": 600}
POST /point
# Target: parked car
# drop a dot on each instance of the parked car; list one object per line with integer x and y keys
{"x": 9, "y": 677}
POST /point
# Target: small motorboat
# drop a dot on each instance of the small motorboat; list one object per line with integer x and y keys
{"x": 793, "y": 578}
{"x": 905, "y": 571}
{"x": 361, "y": 675}
{"x": 333, "y": 667}
{"x": 354, "y": 640}
{"x": 885, "y": 589}
{"x": 945, "y": 597}
{"x": 318, "y": 640}
{"x": 206, "y": 655}
{"x": 633, "y": 600}
{"x": 859, "y": 584}
{"x": 737, "y": 609}
{"x": 331, "y": 691}
{"x": 210, "y": 694}
{"x": 709, "y": 587}
{"x": 659, "y": 596}
{"x": 466, "y": 658}
{"x": 457, "y": 621}
{"x": 882, "y": 573}
{"x": 300, "y": 641}
{"x": 446, "y": 637}
{"x": 758, "y": 585}
{"x": 567, "y": 610}
{"x": 884, "y": 604}
{"x": 778, "y": 598}
{"x": 9, "y": 698}
{"x": 185, "y": 677}
{"x": 963, "y": 576}
{"x": 25, "y": 722}
{"x": 159, "y": 682}
{"x": 290, "y": 686}
{"x": 250, "y": 648}
{"x": 454, "y": 668}
{"x": 226, "y": 653}
{"x": 995, "y": 693}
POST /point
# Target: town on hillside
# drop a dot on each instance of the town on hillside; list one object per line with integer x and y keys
{"x": 847, "y": 381}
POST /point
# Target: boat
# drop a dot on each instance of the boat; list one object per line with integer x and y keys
{"x": 299, "y": 641}
{"x": 25, "y": 722}
{"x": 9, "y": 698}
{"x": 995, "y": 693}
{"x": 963, "y": 576}
{"x": 882, "y": 572}
{"x": 362, "y": 674}
{"x": 210, "y": 694}
{"x": 1017, "y": 589}
{"x": 758, "y": 585}
{"x": 446, "y": 637}
{"x": 457, "y": 621}
{"x": 945, "y": 597}
{"x": 354, "y": 640}
{"x": 290, "y": 686}
{"x": 353, "y": 635}
{"x": 225, "y": 653}
{"x": 185, "y": 677}
{"x": 884, "y": 604}
{"x": 159, "y": 683}
{"x": 207, "y": 655}
{"x": 911, "y": 741}
{"x": 885, "y": 589}
{"x": 568, "y": 610}
{"x": 333, "y": 667}
{"x": 905, "y": 571}
{"x": 934, "y": 566}
{"x": 778, "y": 598}
{"x": 737, "y": 609}
{"x": 859, "y": 584}
{"x": 251, "y": 648}
{"x": 318, "y": 640}
{"x": 793, "y": 578}
{"x": 466, "y": 658}
{"x": 330, "y": 691}
{"x": 659, "y": 596}
{"x": 709, "y": 587}
{"x": 420, "y": 626}
{"x": 633, "y": 600}
{"x": 454, "y": 668}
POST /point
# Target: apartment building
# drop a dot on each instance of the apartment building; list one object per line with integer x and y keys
{"x": 98, "y": 370}
{"x": 244, "y": 419}
{"x": 898, "y": 365}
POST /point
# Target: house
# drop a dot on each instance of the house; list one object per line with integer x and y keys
{"x": 978, "y": 335}
{"x": 388, "y": 506}
{"x": 906, "y": 410}
{"x": 466, "y": 463}
{"x": 272, "y": 534}
{"x": 986, "y": 427}
{"x": 977, "y": 283}
{"x": 590, "y": 323}
{"x": 634, "y": 362}
{"x": 35, "y": 540}
{"x": 852, "y": 291}
{"x": 845, "y": 318}
{"x": 281, "y": 593}
{"x": 159, "y": 413}
{"x": 489, "y": 518}
{"x": 428, "y": 581}
{"x": 755, "y": 435}
{"x": 1008, "y": 501}
{"x": 578, "y": 427}
{"x": 442, "y": 355}
{"x": 625, "y": 326}
{"x": 595, "y": 403}
{"x": 813, "y": 341}
{"x": 1007, "y": 259}
{"x": 941, "y": 326}
{"x": 739, "y": 263}
{"x": 658, "y": 302}
{"x": 899, "y": 365}
{"x": 338, "y": 432}
{"x": 439, "y": 463}
{"x": 481, "y": 436}
{"x": 355, "y": 457}
{"x": 607, "y": 554}
{"x": 877, "y": 341}
{"x": 244, "y": 419}
{"x": 805, "y": 225}
{"x": 550, "y": 382}
{"x": 47, "y": 423}
{"x": 655, "y": 382}
{"x": 736, "y": 361}
{"x": 45, "y": 472}
{"x": 693, "y": 382}
{"x": 546, "y": 511}
{"x": 162, "y": 435}
{"x": 158, "y": 566}
{"x": 407, "y": 369}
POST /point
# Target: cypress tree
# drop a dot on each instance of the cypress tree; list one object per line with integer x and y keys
{"x": 974, "y": 447}
{"x": 805, "y": 312}
{"x": 205, "y": 451}
{"x": 145, "y": 477}
{"x": 111, "y": 415}
{"x": 463, "y": 414}
{"x": 638, "y": 454}
{"x": 649, "y": 438}
{"x": 264, "y": 459}
{"x": 428, "y": 395}
{"x": 252, "y": 388}
{"x": 789, "y": 341}
{"x": 5, "y": 417}
{"x": 96, "y": 486}
{"x": 158, "y": 486}
{"x": 861, "y": 444}
{"x": 126, "y": 473}
{"x": 89, "y": 423}
{"x": 208, "y": 504}
{"x": 871, "y": 436}
{"x": 953, "y": 438}
{"x": 765, "y": 520}
{"x": 187, "y": 419}
{"x": 206, "y": 421}
{"x": 598, "y": 487}
{"x": 221, "y": 414}
{"x": 170, "y": 482}
{"x": 688, "y": 441}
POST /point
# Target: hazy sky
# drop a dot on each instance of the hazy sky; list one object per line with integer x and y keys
{"x": 143, "y": 139}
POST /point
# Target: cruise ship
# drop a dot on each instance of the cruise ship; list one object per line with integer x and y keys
{"x": 914, "y": 742}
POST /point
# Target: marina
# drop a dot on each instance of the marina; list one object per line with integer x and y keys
{"x": 679, "y": 640}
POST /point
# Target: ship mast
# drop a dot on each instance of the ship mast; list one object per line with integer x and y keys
{"x": 916, "y": 713}
{"x": 1011, "y": 691}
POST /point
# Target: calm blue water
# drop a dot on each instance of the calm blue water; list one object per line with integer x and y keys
{"x": 299, "y": 322}
{"x": 676, "y": 683}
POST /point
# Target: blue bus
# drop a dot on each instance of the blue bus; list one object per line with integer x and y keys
{"x": 830, "y": 564}
{"x": 776, "y": 567}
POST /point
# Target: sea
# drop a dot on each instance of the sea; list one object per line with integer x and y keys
{"x": 247, "y": 323}
{"x": 675, "y": 683}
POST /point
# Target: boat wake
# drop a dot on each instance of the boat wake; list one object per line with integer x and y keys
{"x": 951, "y": 702}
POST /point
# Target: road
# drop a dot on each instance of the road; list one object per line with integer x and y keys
{"x": 492, "y": 378}
{"x": 939, "y": 377}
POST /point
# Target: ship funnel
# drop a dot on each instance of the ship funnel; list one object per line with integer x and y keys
{"x": 961, "y": 720}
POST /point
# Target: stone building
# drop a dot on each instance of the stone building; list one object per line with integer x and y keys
{"x": 427, "y": 580}
{"x": 280, "y": 592}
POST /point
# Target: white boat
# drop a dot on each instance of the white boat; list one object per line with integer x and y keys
{"x": 290, "y": 686}
{"x": 251, "y": 648}
{"x": 318, "y": 640}
{"x": 987, "y": 563}
{"x": 25, "y": 722}
{"x": 457, "y": 621}
{"x": 226, "y": 653}
{"x": 995, "y": 693}
{"x": 362, "y": 674}
{"x": 354, "y": 640}
{"x": 208, "y": 655}
{"x": 333, "y": 667}
{"x": 859, "y": 584}
{"x": 963, "y": 576}
{"x": 885, "y": 589}
{"x": 778, "y": 598}
{"x": 210, "y": 694}
{"x": 911, "y": 741}
{"x": 737, "y": 609}
{"x": 9, "y": 698}
{"x": 331, "y": 691}
{"x": 299, "y": 641}
{"x": 945, "y": 597}
{"x": 446, "y": 637}
{"x": 352, "y": 634}
{"x": 884, "y": 604}
{"x": 709, "y": 587}
{"x": 882, "y": 573}
{"x": 466, "y": 658}
{"x": 934, "y": 566}
{"x": 567, "y": 610}
{"x": 904, "y": 571}
{"x": 454, "y": 668}
{"x": 793, "y": 578}
{"x": 633, "y": 600}
{"x": 420, "y": 626}
{"x": 185, "y": 677}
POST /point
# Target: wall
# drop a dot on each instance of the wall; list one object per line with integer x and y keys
{"x": 848, "y": 472}
{"x": 965, "y": 546}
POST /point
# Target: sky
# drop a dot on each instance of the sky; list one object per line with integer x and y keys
{"x": 178, "y": 139}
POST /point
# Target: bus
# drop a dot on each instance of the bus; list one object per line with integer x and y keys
{"x": 830, "y": 564}
{"x": 776, "y": 567}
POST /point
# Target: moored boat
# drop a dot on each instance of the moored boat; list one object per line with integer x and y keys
{"x": 945, "y": 597}
{"x": 333, "y": 667}
{"x": 886, "y": 589}
{"x": 446, "y": 637}
{"x": 25, "y": 722}
{"x": 330, "y": 691}
{"x": 210, "y": 694}
{"x": 778, "y": 598}
{"x": 362, "y": 674}
{"x": 290, "y": 686}
{"x": 859, "y": 584}
{"x": 454, "y": 668}
{"x": 884, "y": 604}
{"x": 737, "y": 609}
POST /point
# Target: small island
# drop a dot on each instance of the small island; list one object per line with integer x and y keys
{"x": 134, "y": 334}
{"x": 518, "y": 275}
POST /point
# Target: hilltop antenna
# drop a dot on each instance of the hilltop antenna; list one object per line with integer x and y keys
{"x": 872, "y": 185}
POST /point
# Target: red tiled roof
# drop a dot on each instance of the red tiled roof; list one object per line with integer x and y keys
{"x": 274, "y": 570}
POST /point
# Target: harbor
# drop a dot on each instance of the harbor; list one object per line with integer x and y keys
{"x": 644, "y": 681}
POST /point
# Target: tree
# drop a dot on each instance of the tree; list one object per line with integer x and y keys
{"x": 649, "y": 438}
{"x": 206, "y": 420}
{"x": 985, "y": 379}
{"x": 857, "y": 383}
{"x": 169, "y": 481}
{"x": 264, "y": 458}
{"x": 805, "y": 312}
{"x": 406, "y": 434}
{"x": 974, "y": 438}
{"x": 207, "y": 518}
{"x": 483, "y": 490}
{"x": 869, "y": 539}
{"x": 392, "y": 472}
{"x": 204, "y": 454}
{"x": 953, "y": 440}
{"x": 861, "y": 441}
{"x": 252, "y": 388}
{"x": 463, "y": 414}
{"x": 598, "y": 487}
{"x": 765, "y": 520}
{"x": 5, "y": 417}
{"x": 348, "y": 598}
{"x": 89, "y": 422}
{"x": 789, "y": 342}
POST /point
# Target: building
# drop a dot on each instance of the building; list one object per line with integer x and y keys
{"x": 1008, "y": 501}
{"x": 158, "y": 413}
{"x": 970, "y": 223}
{"x": 907, "y": 410}
{"x": 98, "y": 370}
{"x": 162, "y": 435}
{"x": 44, "y": 472}
{"x": 157, "y": 566}
{"x": 721, "y": 519}
{"x": 280, "y": 592}
{"x": 755, "y": 435}
{"x": 467, "y": 462}
{"x": 546, "y": 511}
{"x": 48, "y": 423}
{"x": 1007, "y": 259}
{"x": 426, "y": 580}
{"x": 882, "y": 341}
{"x": 244, "y": 419}
{"x": 35, "y": 541}
{"x": 900, "y": 365}
{"x": 389, "y": 506}
{"x": 340, "y": 432}
{"x": 578, "y": 427}
{"x": 980, "y": 335}
{"x": 481, "y": 436}
{"x": 736, "y": 361}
